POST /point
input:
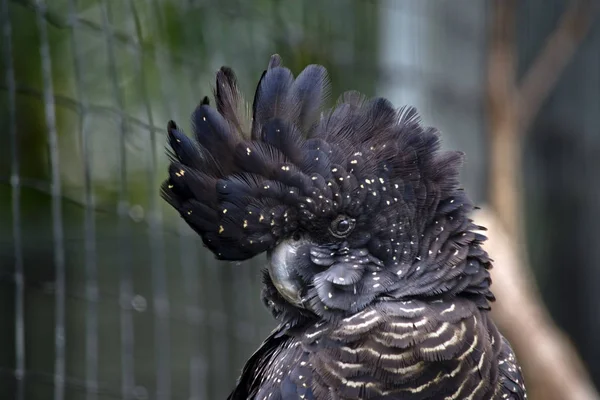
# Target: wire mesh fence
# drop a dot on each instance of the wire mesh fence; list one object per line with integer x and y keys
{"x": 105, "y": 294}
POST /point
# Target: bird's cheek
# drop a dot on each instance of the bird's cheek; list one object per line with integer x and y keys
{"x": 283, "y": 269}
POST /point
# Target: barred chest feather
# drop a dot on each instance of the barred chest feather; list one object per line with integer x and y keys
{"x": 410, "y": 350}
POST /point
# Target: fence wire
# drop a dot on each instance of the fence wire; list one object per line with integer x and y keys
{"x": 19, "y": 370}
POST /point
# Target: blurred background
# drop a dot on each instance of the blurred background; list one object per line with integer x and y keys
{"x": 104, "y": 292}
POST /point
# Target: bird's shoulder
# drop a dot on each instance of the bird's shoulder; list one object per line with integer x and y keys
{"x": 512, "y": 384}
{"x": 279, "y": 370}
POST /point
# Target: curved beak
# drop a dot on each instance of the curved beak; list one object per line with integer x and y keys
{"x": 282, "y": 261}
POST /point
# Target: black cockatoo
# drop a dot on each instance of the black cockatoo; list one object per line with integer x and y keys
{"x": 374, "y": 269}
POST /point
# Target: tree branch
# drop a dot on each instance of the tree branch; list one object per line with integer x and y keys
{"x": 552, "y": 368}
{"x": 559, "y": 49}
{"x": 551, "y": 365}
{"x": 504, "y": 140}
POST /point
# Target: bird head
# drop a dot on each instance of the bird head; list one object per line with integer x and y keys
{"x": 352, "y": 204}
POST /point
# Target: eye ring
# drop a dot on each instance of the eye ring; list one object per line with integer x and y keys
{"x": 342, "y": 226}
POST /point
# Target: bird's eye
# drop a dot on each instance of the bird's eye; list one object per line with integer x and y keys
{"x": 342, "y": 226}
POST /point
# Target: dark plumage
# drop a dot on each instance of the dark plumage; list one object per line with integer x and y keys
{"x": 374, "y": 268}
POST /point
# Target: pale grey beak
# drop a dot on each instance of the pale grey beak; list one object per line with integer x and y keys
{"x": 281, "y": 265}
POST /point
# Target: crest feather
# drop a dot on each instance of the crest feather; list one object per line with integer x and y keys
{"x": 244, "y": 183}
